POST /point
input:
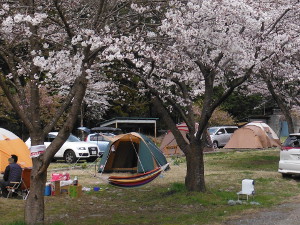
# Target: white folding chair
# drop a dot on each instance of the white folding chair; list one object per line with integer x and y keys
{"x": 13, "y": 189}
{"x": 247, "y": 188}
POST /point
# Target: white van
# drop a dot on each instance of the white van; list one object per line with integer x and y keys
{"x": 221, "y": 135}
{"x": 289, "y": 163}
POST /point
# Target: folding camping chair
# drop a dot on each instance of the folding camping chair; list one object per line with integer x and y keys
{"x": 21, "y": 188}
{"x": 14, "y": 188}
{"x": 247, "y": 188}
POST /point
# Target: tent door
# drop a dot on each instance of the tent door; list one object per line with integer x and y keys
{"x": 125, "y": 157}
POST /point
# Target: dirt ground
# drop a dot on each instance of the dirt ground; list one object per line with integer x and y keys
{"x": 285, "y": 214}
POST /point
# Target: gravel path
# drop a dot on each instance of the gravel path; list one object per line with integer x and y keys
{"x": 284, "y": 214}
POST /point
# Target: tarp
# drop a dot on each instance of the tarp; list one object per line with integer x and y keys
{"x": 11, "y": 144}
{"x": 131, "y": 152}
{"x": 284, "y": 129}
{"x": 169, "y": 145}
{"x": 254, "y": 135}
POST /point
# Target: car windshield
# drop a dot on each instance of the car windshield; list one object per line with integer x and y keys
{"x": 100, "y": 137}
{"x": 96, "y": 137}
{"x": 230, "y": 130}
{"x": 103, "y": 130}
{"x": 292, "y": 141}
{"x": 212, "y": 130}
{"x": 73, "y": 138}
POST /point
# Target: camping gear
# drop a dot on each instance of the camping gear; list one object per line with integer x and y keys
{"x": 137, "y": 180}
{"x": 169, "y": 145}
{"x": 60, "y": 176}
{"x": 254, "y": 135}
{"x": 131, "y": 152}
{"x": 247, "y": 188}
{"x": 75, "y": 181}
{"x": 75, "y": 191}
{"x": 47, "y": 191}
{"x": 56, "y": 188}
{"x": 11, "y": 144}
{"x": 96, "y": 188}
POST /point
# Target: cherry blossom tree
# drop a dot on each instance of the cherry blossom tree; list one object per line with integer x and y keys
{"x": 64, "y": 46}
{"x": 201, "y": 45}
{"x": 282, "y": 91}
{"x": 281, "y": 77}
{"x": 279, "y": 70}
{"x": 60, "y": 48}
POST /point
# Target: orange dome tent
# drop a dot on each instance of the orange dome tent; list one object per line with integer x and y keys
{"x": 11, "y": 144}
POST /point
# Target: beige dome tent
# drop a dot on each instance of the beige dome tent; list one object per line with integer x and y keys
{"x": 254, "y": 135}
{"x": 11, "y": 144}
{"x": 169, "y": 145}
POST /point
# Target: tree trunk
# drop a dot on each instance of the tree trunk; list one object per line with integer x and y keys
{"x": 193, "y": 151}
{"x": 34, "y": 206}
{"x": 194, "y": 180}
{"x": 283, "y": 107}
{"x": 289, "y": 120}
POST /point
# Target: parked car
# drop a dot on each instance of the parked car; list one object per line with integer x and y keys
{"x": 221, "y": 135}
{"x": 72, "y": 149}
{"x": 101, "y": 139}
{"x": 289, "y": 162}
{"x": 106, "y": 130}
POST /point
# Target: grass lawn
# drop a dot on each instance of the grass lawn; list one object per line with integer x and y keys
{"x": 165, "y": 200}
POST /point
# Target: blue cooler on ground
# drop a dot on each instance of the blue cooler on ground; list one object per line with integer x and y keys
{"x": 47, "y": 190}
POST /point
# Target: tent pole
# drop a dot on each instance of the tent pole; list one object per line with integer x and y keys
{"x": 155, "y": 129}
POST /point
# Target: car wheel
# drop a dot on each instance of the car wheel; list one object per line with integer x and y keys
{"x": 286, "y": 175}
{"x": 215, "y": 145}
{"x": 70, "y": 156}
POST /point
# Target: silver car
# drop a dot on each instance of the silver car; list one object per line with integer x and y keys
{"x": 221, "y": 135}
{"x": 289, "y": 163}
{"x": 101, "y": 139}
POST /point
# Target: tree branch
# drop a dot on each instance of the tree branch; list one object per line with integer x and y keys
{"x": 235, "y": 83}
{"x": 65, "y": 22}
{"x": 277, "y": 21}
{"x": 79, "y": 88}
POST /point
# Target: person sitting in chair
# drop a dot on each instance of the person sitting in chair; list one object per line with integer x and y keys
{"x": 12, "y": 173}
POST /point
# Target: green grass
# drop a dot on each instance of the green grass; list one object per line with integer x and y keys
{"x": 17, "y": 223}
{"x": 282, "y": 139}
{"x": 166, "y": 200}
